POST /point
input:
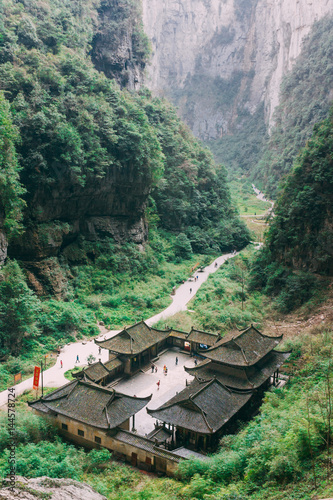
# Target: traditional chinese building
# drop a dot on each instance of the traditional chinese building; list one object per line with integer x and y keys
{"x": 102, "y": 373}
{"x": 198, "y": 415}
{"x": 247, "y": 361}
{"x": 93, "y": 416}
{"x": 228, "y": 385}
{"x": 136, "y": 345}
{"x": 192, "y": 342}
{"x": 82, "y": 407}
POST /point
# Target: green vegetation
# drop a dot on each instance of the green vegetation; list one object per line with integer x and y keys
{"x": 303, "y": 103}
{"x": 284, "y": 453}
{"x": 245, "y": 198}
{"x": 120, "y": 24}
{"x": 192, "y": 196}
{"x": 299, "y": 239}
{"x": 242, "y": 148}
{"x": 224, "y": 302}
{"x": 74, "y": 122}
{"x": 11, "y": 191}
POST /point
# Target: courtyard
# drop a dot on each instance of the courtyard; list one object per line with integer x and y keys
{"x": 144, "y": 384}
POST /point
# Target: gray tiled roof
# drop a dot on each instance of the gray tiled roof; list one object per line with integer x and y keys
{"x": 244, "y": 350}
{"x": 145, "y": 444}
{"x": 134, "y": 339}
{"x": 178, "y": 334}
{"x": 94, "y": 372}
{"x": 91, "y": 404}
{"x": 247, "y": 379}
{"x": 98, "y": 370}
{"x": 113, "y": 363}
{"x": 202, "y": 407}
{"x": 202, "y": 337}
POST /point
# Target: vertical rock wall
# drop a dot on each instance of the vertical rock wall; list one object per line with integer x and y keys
{"x": 201, "y": 46}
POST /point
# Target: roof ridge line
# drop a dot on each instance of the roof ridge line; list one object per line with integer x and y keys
{"x": 222, "y": 385}
{"x": 249, "y": 381}
{"x": 262, "y": 334}
{"x": 243, "y": 353}
{"x": 72, "y": 389}
{"x": 111, "y": 398}
{"x": 195, "y": 404}
{"x": 206, "y": 421}
{"x": 57, "y": 390}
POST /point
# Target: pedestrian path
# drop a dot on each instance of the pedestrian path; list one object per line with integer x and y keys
{"x": 262, "y": 197}
{"x": 187, "y": 290}
{"x": 54, "y": 376}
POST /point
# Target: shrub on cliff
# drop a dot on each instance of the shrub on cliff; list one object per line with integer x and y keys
{"x": 18, "y": 309}
{"x": 11, "y": 190}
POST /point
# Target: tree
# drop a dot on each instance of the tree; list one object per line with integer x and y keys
{"x": 11, "y": 190}
{"x": 18, "y": 309}
{"x": 183, "y": 246}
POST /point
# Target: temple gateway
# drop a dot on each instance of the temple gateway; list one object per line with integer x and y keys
{"x": 228, "y": 386}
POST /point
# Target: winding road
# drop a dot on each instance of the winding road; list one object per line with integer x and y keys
{"x": 54, "y": 376}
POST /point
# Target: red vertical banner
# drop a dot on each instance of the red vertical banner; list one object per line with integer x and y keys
{"x": 36, "y": 377}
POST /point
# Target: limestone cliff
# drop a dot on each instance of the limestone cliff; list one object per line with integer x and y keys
{"x": 120, "y": 47}
{"x": 219, "y": 58}
{"x": 66, "y": 215}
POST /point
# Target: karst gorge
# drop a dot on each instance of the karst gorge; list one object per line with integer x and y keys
{"x": 166, "y": 249}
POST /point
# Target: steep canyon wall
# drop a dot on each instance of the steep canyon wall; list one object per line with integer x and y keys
{"x": 218, "y": 58}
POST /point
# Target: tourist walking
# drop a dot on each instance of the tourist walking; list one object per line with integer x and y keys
{"x": 77, "y": 359}
{"x": 152, "y": 368}
{"x": 190, "y": 290}
{"x": 60, "y": 363}
{"x": 176, "y": 360}
{"x": 158, "y": 384}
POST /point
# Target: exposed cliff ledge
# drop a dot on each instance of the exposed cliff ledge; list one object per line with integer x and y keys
{"x": 216, "y": 57}
{"x": 120, "y": 47}
{"x": 62, "y": 214}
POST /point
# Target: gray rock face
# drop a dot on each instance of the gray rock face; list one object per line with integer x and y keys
{"x": 58, "y": 489}
{"x": 62, "y": 214}
{"x": 213, "y": 57}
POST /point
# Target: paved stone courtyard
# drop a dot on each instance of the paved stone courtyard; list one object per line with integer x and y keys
{"x": 144, "y": 384}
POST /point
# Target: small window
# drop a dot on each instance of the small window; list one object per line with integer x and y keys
{"x": 98, "y": 440}
{"x": 64, "y": 427}
{"x": 80, "y": 433}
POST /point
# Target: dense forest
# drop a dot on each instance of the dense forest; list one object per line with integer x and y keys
{"x": 92, "y": 175}
{"x": 73, "y": 122}
{"x": 299, "y": 244}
